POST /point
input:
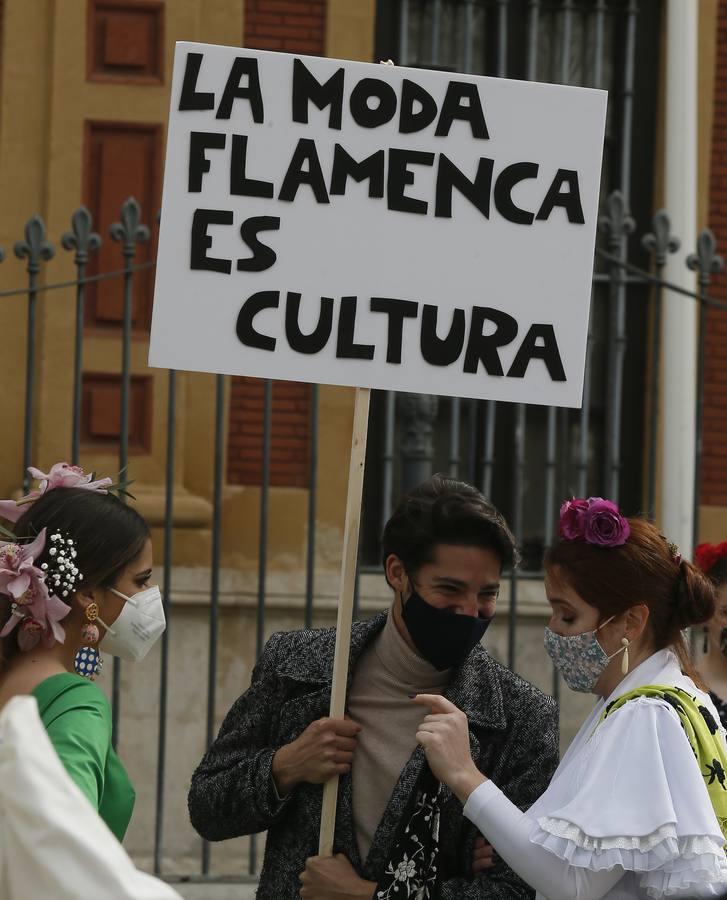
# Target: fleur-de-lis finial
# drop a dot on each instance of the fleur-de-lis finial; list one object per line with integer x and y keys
{"x": 35, "y": 247}
{"x": 706, "y": 261}
{"x": 617, "y": 221}
{"x": 660, "y": 241}
{"x": 129, "y": 231}
{"x": 81, "y": 238}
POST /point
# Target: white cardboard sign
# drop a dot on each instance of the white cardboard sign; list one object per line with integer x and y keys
{"x": 376, "y": 226}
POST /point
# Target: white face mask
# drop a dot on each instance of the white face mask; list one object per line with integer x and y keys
{"x": 139, "y": 626}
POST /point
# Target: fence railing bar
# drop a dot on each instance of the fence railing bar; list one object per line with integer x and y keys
{"x": 669, "y": 285}
{"x": 699, "y": 421}
{"x": 403, "y": 33}
{"x": 166, "y": 595}
{"x": 532, "y": 50}
{"x": 472, "y": 411}
{"x": 468, "y": 35}
{"x": 436, "y": 11}
{"x": 357, "y": 582}
{"x": 85, "y": 241}
{"x": 583, "y": 454}
{"x": 215, "y": 574}
{"x": 87, "y": 279}
{"x": 548, "y": 524}
{"x": 34, "y": 248}
{"x": 29, "y": 380}
{"x": 620, "y": 337}
{"x": 489, "y": 456}
{"x": 454, "y": 428}
{"x": 517, "y": 525}
{"x": 502, "y": 11}
{"x": 264, "y": 517}
{"x": 600, "y": 13}
{"x": 77, "y": 372}
{"x": 128, "y": 232}
{"x": 262, "y": 558}
{"x": 388, "y": 457}
{"x": 310, "y": 561}
{"x": 567, "y": 13}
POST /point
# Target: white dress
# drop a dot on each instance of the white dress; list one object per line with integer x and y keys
{"x": 627, "y": 813}
{"x": 53, "y": 843}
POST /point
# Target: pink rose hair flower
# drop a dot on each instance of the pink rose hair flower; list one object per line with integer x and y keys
{"x": 593, "y": 520}
{"x": 572, "y": 519}
{"x": 61, "y": 475}
{"x": 605, "y": 526}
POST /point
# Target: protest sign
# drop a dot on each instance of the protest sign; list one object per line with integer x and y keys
{"x": 379, "y": 227}
{"x": 375, "y": 226}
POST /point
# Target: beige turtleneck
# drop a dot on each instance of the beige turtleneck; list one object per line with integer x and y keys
{"x": 387, "y": 672}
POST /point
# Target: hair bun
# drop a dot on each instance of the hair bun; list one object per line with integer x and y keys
{"x": 694, "y": 600}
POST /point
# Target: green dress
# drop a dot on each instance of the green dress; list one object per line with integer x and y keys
{"x": 77, "y": 718}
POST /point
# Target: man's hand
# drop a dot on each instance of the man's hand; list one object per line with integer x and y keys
{"x": 323, "y": 750}
{"x": 333, "y": 878}
{"x": 484, "y": 856}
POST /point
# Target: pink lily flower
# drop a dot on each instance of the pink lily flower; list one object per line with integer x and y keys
{"x": 61, "y": 475}
{"x": 17, "y": 572}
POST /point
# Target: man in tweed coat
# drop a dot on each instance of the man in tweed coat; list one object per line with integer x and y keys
{"x": 444, "y": 549}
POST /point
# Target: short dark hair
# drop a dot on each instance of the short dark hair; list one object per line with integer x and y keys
{"x": 717, "y": 574}
{"x": 444, "y": 510}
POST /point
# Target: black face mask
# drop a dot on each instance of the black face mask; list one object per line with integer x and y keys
{"x": 443, "y": 638}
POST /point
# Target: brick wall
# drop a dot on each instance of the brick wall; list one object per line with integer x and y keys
{"x": 714, "y": 465}
{"x": 294, "y": 26}
{"x": 297, "y": 26}
{"x": 289, "y": 434}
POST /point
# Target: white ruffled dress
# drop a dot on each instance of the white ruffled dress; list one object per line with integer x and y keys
{"x": 627, "y": 813}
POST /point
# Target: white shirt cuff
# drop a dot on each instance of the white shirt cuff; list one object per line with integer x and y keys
{"x": 479, "y": 798}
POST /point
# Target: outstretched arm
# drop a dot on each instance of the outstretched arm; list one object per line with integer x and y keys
{"x": 445, "y": 737}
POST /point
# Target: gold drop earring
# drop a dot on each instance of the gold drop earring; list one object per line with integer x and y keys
{"x": 625, "y": 661}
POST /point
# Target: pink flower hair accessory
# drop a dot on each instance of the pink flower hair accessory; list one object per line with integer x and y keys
{"x": 34, "y": 608}
{"x": 593, "y": 520}
{"x": 61, "y": 475}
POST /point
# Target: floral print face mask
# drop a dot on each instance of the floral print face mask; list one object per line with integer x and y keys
{"x": 579, "y": 658}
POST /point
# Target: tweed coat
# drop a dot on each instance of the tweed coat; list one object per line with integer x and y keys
{"x": 513, "y": 737}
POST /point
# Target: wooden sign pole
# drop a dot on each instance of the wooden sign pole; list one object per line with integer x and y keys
{"x": 345, "y": 600}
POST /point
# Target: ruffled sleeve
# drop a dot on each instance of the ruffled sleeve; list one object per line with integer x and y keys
{"x": 637, "y": 801}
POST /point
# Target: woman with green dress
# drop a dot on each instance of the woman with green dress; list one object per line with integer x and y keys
{"x": 81, "y": 557}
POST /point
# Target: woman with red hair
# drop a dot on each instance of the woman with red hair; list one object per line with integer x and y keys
{"x": 638, "y": 805}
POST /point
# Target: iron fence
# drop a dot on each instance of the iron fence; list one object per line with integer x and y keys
{"x": 400, "y": 413}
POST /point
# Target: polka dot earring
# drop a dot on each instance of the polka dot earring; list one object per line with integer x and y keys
{"x": 88, "y": 662}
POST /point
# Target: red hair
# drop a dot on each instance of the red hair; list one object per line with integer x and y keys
{"x": 641, "y": 571}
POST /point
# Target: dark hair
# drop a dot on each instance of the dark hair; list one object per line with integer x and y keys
{"x": 443, "y": 510}
{"x": 717, "y": 574}
{"x": 107, "y": 534}
{"x": 643, "y": 570}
